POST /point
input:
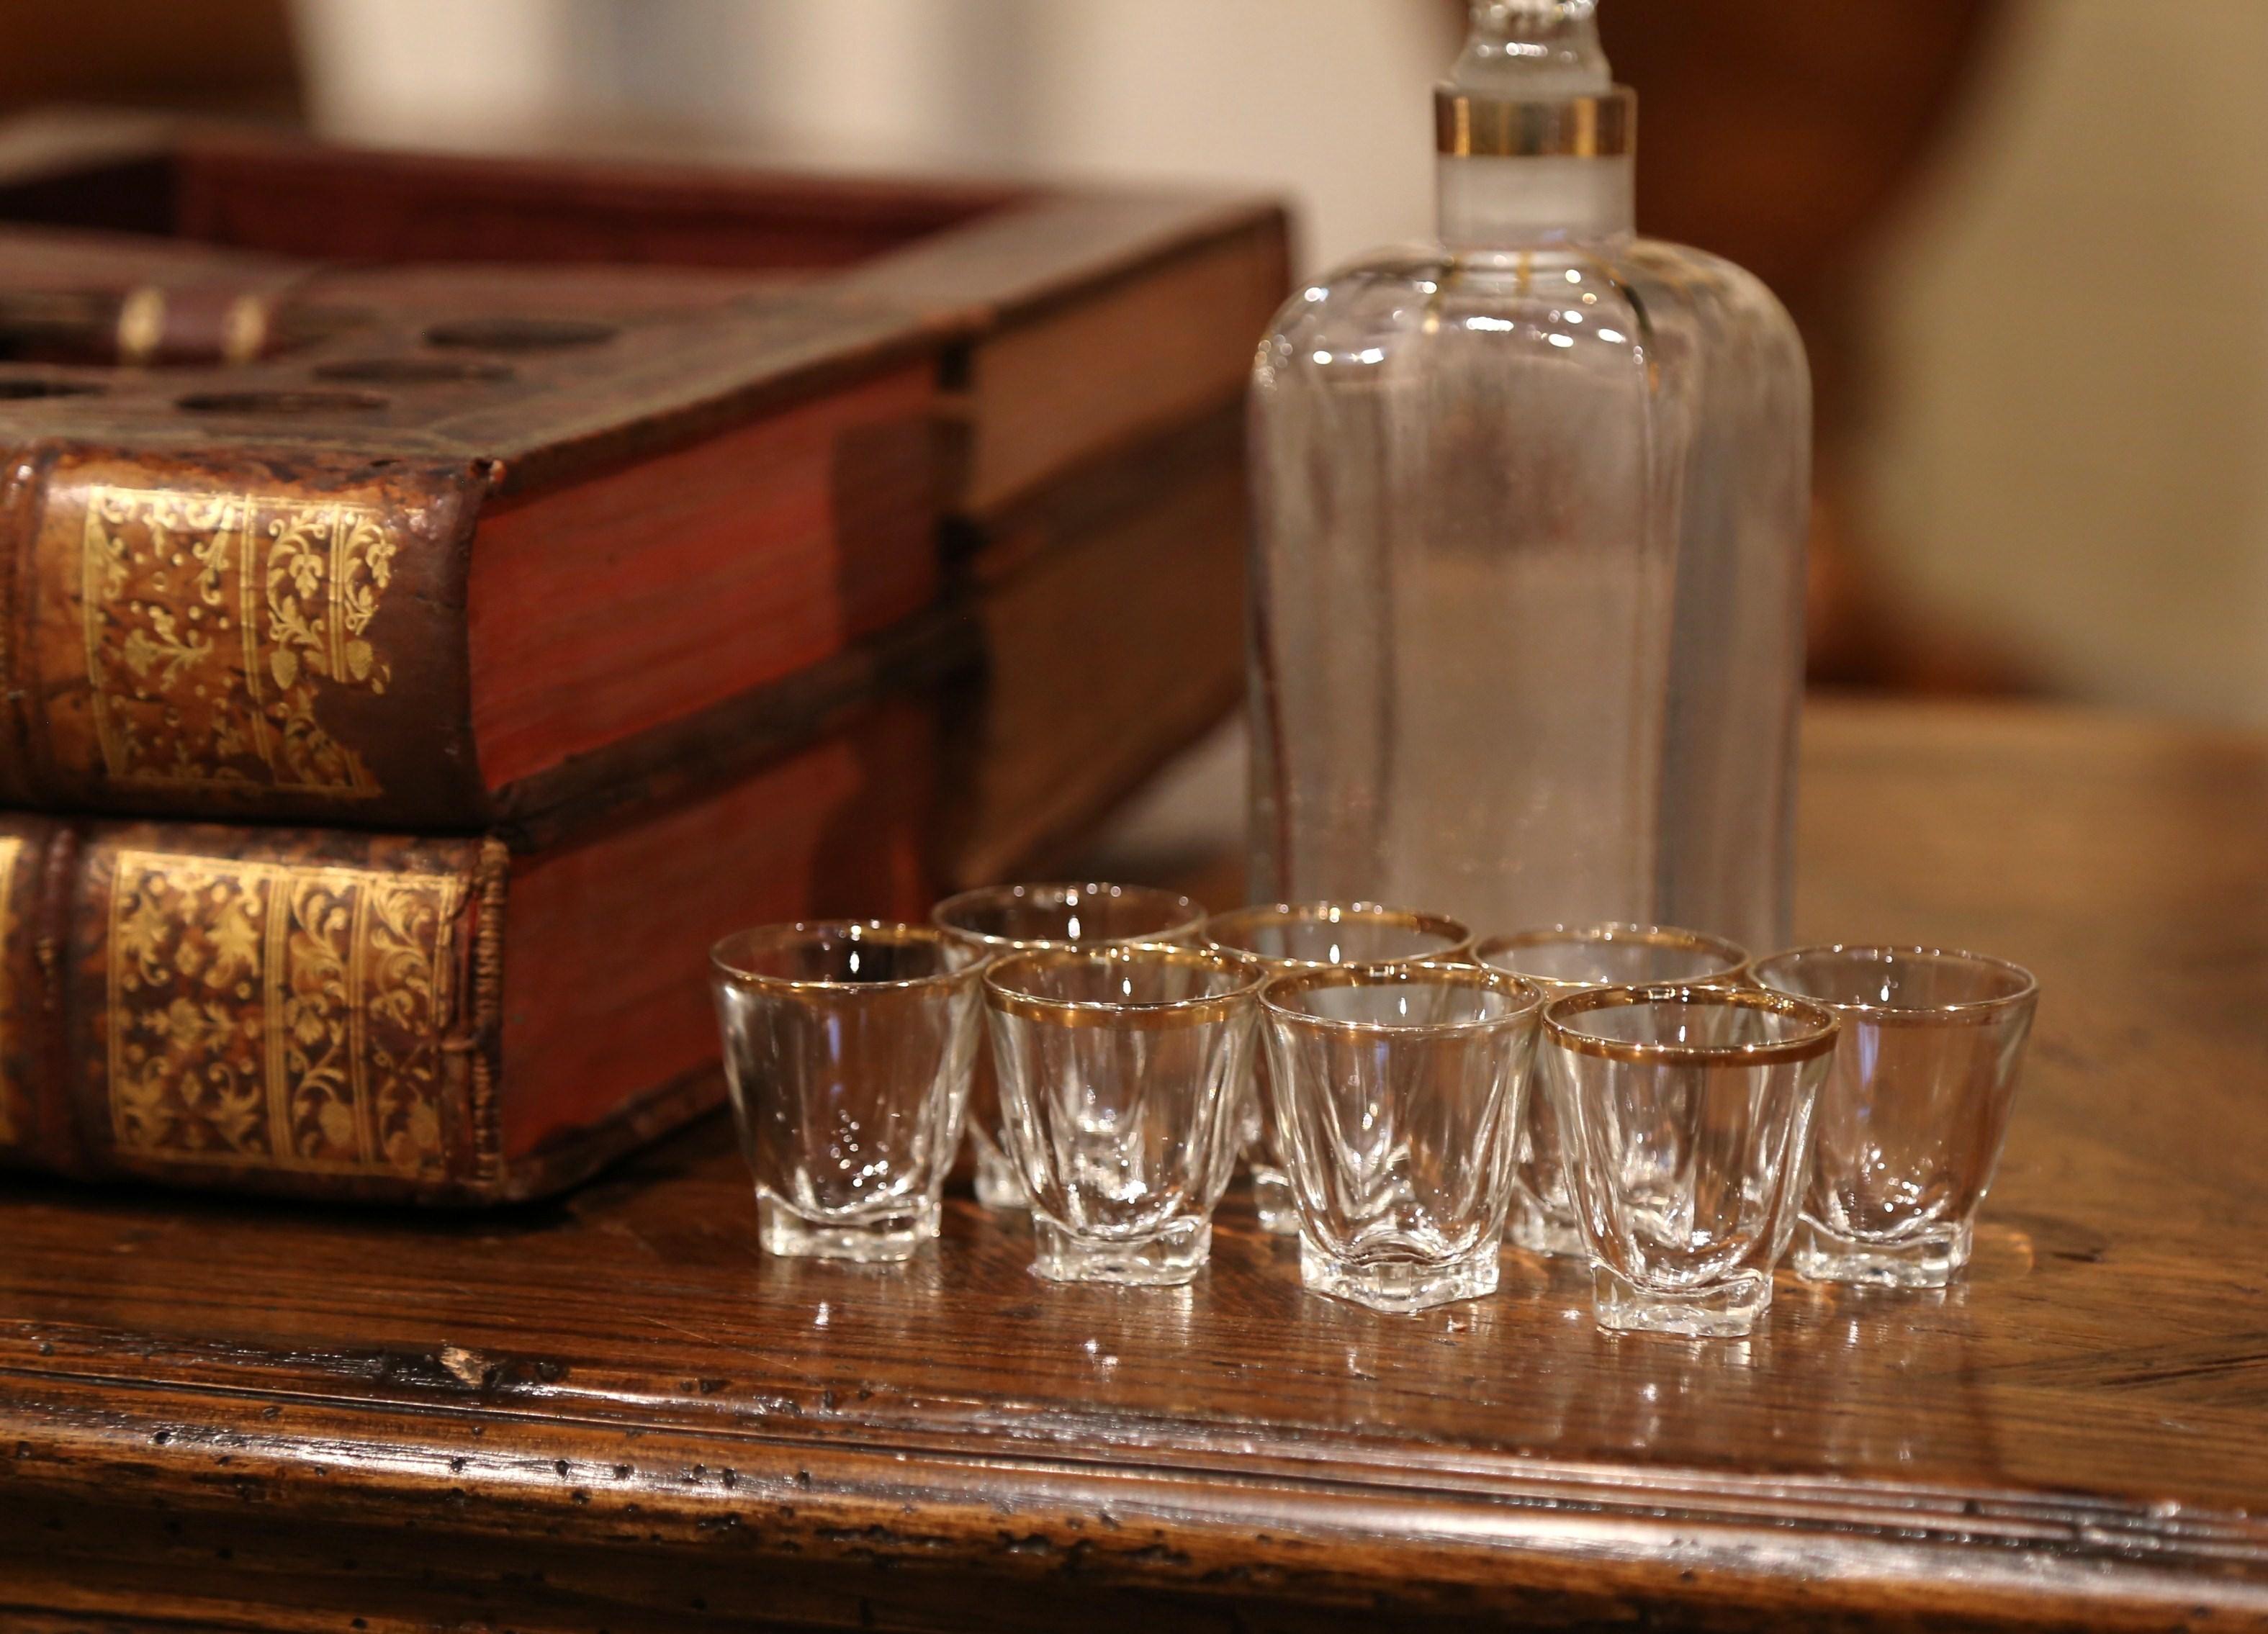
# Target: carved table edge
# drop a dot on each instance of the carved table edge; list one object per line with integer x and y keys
{"x": 1162, "y": 1513}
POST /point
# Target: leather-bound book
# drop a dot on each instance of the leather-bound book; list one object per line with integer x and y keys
{"x": 383, "y": 1018}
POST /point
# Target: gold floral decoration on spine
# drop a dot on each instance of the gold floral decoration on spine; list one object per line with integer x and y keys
{"x": 281, "y": 1017}
{"x": 213, "y": 621}
{"x": 11, "y": 850}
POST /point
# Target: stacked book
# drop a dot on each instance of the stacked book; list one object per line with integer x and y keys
{"x": 439, "y": 597}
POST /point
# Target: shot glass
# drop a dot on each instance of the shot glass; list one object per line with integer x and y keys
{"x": 995, "y": 920}
{"x": 1916, "y": 1108}
{"x": 1569, "y": 958}
{"x": 1685, "y": 1115}
{"x": 1397, "y": 1104}
{"x": 1122, "y": 1070}
{"x": 1287, "y": 939}
{"x": 847, "y": 1050}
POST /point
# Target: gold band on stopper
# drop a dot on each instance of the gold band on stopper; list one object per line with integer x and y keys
{"x": 1470, "y": 127}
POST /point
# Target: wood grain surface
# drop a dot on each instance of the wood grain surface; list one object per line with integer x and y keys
{"x": 614, "y": 1413}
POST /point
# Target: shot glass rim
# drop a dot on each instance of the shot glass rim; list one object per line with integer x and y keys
{"x": 1201, "y": 1008}
{"x": 1969, "y": 1011}
{"x": 1743, "y": 962}
{"x": 1398, "y": 974}
{"x": 1826, "y": 1027}
{"x": 1460, "y": 934}
{"x": 1192, "y": 912}
{"x": 888, "y": 932}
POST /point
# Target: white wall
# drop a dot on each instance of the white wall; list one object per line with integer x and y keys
{"x": 1326, "y": 101}
{"x": 397, "y": 71}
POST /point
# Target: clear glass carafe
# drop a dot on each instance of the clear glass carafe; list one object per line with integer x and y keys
{"x": 1530, "y": 503}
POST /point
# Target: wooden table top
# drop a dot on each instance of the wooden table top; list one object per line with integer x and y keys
{"x": 614, "y": 1413}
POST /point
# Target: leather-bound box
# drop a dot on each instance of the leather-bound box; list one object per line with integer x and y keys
{"x": 522, "y": 572}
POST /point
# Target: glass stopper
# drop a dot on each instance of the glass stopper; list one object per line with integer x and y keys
{"x": 1523, "y": 50}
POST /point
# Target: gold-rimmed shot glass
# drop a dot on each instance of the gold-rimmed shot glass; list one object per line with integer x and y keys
{"x": 1122, "y": 1072}
{"x": 1572, "y": 958}
{"x": 1000, "y": 919}
{"x": 1685, "y": 1116}
{"x": 847, "y": 1050}
{"x": 1398, "y": 1097}
{"x": 1288, "y": 938}
{"x": 1915, "y": 1111}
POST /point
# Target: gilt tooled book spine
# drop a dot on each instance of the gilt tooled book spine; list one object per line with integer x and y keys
{"x": 299, "y": 1011}
{"x": 340, "y": 1015}
{"x": 223, "y": 633}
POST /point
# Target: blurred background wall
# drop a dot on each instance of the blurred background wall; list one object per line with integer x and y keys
{"x": 1326, "y": 100}
{"x": 2025, "y": 237}
{"x": 2073, "y": 324}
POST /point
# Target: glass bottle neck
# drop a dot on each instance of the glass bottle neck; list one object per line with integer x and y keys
{"x": 1490, "y": 203}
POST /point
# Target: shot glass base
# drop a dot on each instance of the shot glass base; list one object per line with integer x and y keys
{"x": 1931, "y": 1262}
{"x": 1272, "y": 1199}
{"x": 1532, "y": 1227}
{"x": 885, "y": 1238}
{"x": 997, "y": 1185}
{"x": 1399, "y": 1287}
{"x": 1172, "y": 1257}
{"x": 1730, "y": 1311}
